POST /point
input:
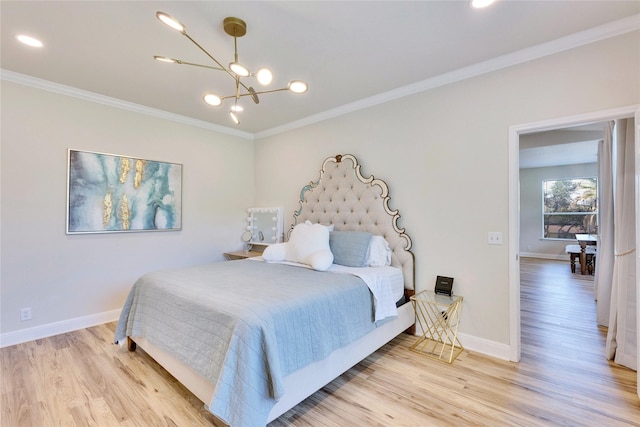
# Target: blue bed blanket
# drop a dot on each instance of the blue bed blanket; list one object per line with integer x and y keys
{"x": 245, "y": 325}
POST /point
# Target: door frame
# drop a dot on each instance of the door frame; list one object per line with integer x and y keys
{"x": 514, "y": 207}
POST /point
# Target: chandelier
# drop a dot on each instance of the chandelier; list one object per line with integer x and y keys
{"x": 234, "y": 27}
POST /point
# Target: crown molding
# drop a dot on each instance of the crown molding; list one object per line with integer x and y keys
{"x": 592, "y": 35}
{"x": 85, "y": 95}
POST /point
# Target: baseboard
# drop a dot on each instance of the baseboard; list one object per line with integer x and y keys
{"x": 56, "y": 328}
{"x": 480, "y": 345}
{"x": 469, "y": 342}
{"x": 563, "y": 257}
{"x": 484, "y": 346}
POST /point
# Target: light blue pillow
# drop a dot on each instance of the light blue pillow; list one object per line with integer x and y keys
{"x": 350, "y": 248}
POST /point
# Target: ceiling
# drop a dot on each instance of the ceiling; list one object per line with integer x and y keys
{"x": 348, "y": 51}
{"x": 560, "y": 147}
{"x": 573, "y": 153}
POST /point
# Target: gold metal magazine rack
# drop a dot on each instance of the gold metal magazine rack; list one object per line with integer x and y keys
{"x": 438, "y": 317}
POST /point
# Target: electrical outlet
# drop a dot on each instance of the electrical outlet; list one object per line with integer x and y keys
{"x": 495, "y": 238}
{"x": 25, "y": 314}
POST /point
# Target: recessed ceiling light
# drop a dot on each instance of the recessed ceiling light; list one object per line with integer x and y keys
{"x": 29, "y": 41}
{"x": 478, "y": 4}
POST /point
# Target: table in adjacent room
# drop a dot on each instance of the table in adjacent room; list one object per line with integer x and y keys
{"x": 583, "y": 241}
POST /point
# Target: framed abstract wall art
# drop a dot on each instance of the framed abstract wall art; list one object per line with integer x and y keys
{"x": 111, "y": 193}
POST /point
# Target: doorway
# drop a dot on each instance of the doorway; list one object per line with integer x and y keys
{"x": 514, "y": 197}
{"x": 561, "y": 158}
{"x": 551, "y": 162}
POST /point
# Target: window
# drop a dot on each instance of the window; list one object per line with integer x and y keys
{"x": 570, "y": 206}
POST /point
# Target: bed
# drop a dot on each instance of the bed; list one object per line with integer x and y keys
{"x": 253, "y": 338}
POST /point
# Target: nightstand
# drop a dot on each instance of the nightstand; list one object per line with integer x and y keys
{"x": 241, "y": 254}
{"x": 438, "y": 317}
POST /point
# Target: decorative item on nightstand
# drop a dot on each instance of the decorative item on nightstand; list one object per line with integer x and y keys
{"x": 248, "y": 249}
{"x": 246, "y": 238}
{"x": 265, "y": 226}
{"x": 444, "y": 286}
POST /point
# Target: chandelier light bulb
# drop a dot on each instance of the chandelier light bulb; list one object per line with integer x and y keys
{"x": 234, "y": 117}
{"x": 239, "y": 69}
{"x": 212, "y": 99}
{"x": 298, "y": 86}
{"x": 171, "y": 22}
{"x": 264, "y": 76}
{"x": 164, "y": 59}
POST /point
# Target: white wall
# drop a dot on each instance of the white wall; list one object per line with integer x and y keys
{"x": 444, "y": 155}
{"x": 66, "y": 277}
{"x": 531, "y": 241}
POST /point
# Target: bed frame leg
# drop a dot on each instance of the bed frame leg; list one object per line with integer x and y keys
{"x": 411, "y": 330}
{"x": 131, "y": 344}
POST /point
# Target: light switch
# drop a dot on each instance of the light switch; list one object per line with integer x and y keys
{"x": 495, "y": 238}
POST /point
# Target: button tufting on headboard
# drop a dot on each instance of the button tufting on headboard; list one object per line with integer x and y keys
{"x": 353, "y": 202}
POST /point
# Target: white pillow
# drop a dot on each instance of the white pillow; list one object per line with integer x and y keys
{"x": 309, "y": 244}
{"x": 320, "y": 260}
{"x": 379, "y": 252}
{"x": 275, "y": 252}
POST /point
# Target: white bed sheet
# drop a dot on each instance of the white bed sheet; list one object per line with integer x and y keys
{"x": 385, "y": 283}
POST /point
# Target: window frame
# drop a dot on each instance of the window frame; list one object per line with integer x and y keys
{"x": 545, "y": 214}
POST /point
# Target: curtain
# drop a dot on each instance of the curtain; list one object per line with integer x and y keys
{"x": 605, "y": 258}
{"x": 622, "y": 336}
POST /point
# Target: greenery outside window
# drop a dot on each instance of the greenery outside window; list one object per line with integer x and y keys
{"x": 570, "y": 207}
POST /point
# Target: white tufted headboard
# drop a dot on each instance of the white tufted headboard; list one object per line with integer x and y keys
{"x": 351, "y": 202}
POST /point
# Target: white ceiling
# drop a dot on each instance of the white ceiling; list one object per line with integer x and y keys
{"x": 348, "y": 51}
{"x": 566, "y": 146}
{"x": 573, "y": 153}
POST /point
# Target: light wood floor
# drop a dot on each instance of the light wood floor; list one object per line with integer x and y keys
{"x": 81, "y": 379}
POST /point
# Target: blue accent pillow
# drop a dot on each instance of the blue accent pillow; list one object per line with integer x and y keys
{"x": 350, "y": 248}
